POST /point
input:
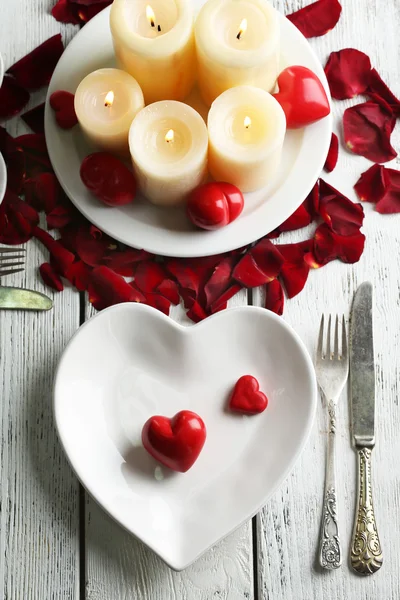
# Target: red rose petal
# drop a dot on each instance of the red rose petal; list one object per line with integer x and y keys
{"x": 159, "y": 302}
{"x": 91, "y": 246}
{"x": 348, "y": 73}
{"x": 35, "y": 153}
{"x": 169, "y": 289}
{"x": 148, "y": 276}
{"x": 49, "y": 192}
{"x": 300, "y": 218}
{"x": 371, "y": 185}
{"x": 13, "y": 98}
{"x": 378, "y": 90}
{"x": 341, "y": 214}
{"x": 367, "y": 131}
{"x": 196, "y": 313}
{"x": 63, "y": 104}
{"x": 220, "y": 280}
{"x": 329, "y": 246}
{"x": 79, "y": 275}
{"x": 61, "y": 258}
{"x": 333, "y": 154}
{"x": 35, "y": 118}
{"x": 85, "y": 13}
{"x": 390, "y": 202}
{"x": 17, "y": 220}
{"x": 60, "y": 217}
{"x": 267, "y": 257}
{"x": 124, "y": 262}
{"x": 50, "y": 277}
{"x": 107, "y": 288}
{"x": 274, "y": 299}
{"x": 317, "y": 18}
{"x": 187, "y": 278}
{"x": 222, "y": 301}
{"x": 14, "y": 159}
{"x": 312, "y": 201}
{"x": 294, "y": 272}
{"x": 66, "y": 12}
{"x": 36, "y": 68}
{"x": 248, "y": 273}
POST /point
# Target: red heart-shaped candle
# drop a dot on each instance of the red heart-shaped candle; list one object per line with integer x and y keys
{"x": 177, "y": 442}
{"x": 63, "y": 105}
{"x": 302, "y": 97}
{"x": 214, "y": 205}
{"x": 246, "y": 396}
{"x": 108, "y": 179}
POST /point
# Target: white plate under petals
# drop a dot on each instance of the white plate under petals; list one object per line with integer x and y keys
{"x": 168, "y": 231}
{"x": 130, "y": 362}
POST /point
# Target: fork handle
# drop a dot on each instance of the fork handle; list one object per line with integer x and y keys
{"x": 366, "y": 552}
{"x": 330, "y": 553}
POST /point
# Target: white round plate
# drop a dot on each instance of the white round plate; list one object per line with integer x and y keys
{"x": 3, "y": 178}
{"x": 140, "y": 363}
{"x": 167, "y": 231}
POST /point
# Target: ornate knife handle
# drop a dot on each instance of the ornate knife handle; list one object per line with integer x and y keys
{"x": 366, "y": 553}
{"x": 330, "y": 553}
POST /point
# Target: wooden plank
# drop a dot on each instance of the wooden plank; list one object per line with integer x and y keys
{"x": 39, "y": 512}
{"x": 119, "y": 567}
{"x": 288, "y": 527}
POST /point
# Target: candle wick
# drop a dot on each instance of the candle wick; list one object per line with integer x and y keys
{"x": 239, "y": 35}
{"x": 159, "y": 28}
{"x": 152, "y": 23}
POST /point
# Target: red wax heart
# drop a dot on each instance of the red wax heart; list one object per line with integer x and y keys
{"x": 108, "y": 179}
{"x": 246, "y": 396}
{"x": 302, "y": 97}
{"x": 214, "y": 205}
{"x": 63, "y": 105}
{"x": 176, "y": 442}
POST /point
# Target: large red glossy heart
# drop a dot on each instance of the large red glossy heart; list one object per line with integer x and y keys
{"x": 177, "y": 442}
{"x": 63, "y": 105}
{"x": 246, "y": 396}
{"x": 214, "y": 205}
{"x": 108, "y": 179}
{"x": 302, "y": 97}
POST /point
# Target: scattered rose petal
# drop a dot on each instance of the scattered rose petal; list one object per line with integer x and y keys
{"x": 17, "y": 220}
{"x": 196, "y": 313}
{"x": 148, "y": 276}
{"x": 348, "y": 73}
{"x": 169, "y": 289}
{"x": 14, "y": 159}
{"x": 124, "y": 262}
{"x": 50, "y": 277}
{"x": 220, "y": 280}
{"x": 187, "y": 278}
{"x": 222, "y": 301}
{"x": 85, "y": 13}
{"x": 107, "y": 288}
{"x": 159, "y": 302}
{"x": 35, "y": 152}
{"x": 108, "y": 178}
{"x": 35, "y": 118}
{"x": 36, "y": 68}
{"x": 333, "y": 154}
{"x": 371, "y": 185}
{"x": 274, "y": 299}
{"x": 378, "y": 91}
{"x": 248, "y": 273}
{"x": 329, "y": 246}
{"x": 60, "y": 217}
{"x": 91, "y": 245}
{"x": 300, "y": 218}
{"x": 294, "y": 272}
{"x": 60, "y": 258}
{"x": 66, "y": 12}
{"x": 317, "y": 18}
{"x": 13, "y": 98}
{"x": 267, "y": 257}
{"x": 63, "y": 104}
{"x": 390, "y": 202}
{"x": 367, "y": 131}
{"x": 48, "y": 191}
{"x": 341, "y": 214}
{"x": 312, "y": 200}
{"x": 78, "y": 274}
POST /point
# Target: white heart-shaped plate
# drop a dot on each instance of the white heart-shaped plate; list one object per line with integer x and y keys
{"x": 130, "y": 362}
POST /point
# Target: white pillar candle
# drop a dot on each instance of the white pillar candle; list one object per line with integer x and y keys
{"x": 168, "y": 142}
{"x": 237, "y": 43}
{"x": 154, "y": 42}
{"x": 246, "y": 128}
{"x": 106, "y": 103}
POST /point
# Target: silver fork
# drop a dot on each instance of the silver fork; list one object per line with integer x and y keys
{"x": 12, "y": 260}
{"x": 332, "y": 368}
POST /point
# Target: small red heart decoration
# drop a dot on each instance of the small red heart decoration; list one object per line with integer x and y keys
{"x": 63, "y": 105}
{"x": 214, "y": 205}
{"x": 302, "y": 97}
{"x": 108, "y": 179}
{"x": 246, "y": 396}
{"x": 177, "y": 442}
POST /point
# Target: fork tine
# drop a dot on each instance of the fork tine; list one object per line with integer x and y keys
{"x": 8, "y": 257}
{"x": 320, "y": 338}
{"x": 344, "y": 339}
{"x": 6, "y": 250}
{"x": 3, "y": 273}
{"x": 328, "y": 342}
{"x": 13, "y": 264}
{"x": 336, "y": 350}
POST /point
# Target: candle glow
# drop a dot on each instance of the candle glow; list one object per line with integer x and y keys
{"x": 170, "y": 136}
{"x": 150, "y": 16}
{"x": 109, "y": 99}
{"x": 242, "y": 28}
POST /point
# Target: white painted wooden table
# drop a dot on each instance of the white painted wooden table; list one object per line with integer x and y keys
{"x": 55, "y": 543}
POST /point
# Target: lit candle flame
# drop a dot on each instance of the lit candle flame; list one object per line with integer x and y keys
{"x": 151, "y": 17}
{"x": 242, "y": 28}
{"x": 247, "y": 122}
{"x": 109, "y": 99}
{"x": 170, "y": 136}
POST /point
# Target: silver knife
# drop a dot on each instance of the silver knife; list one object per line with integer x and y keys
{"x": 365, "y": 553}
{"x": 17, "y": 298}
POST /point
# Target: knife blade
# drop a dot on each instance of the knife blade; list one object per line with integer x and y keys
{"x": 17, "y": 298}
{"x": 362, "y": 369}
{"x": 365, "y": 552}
